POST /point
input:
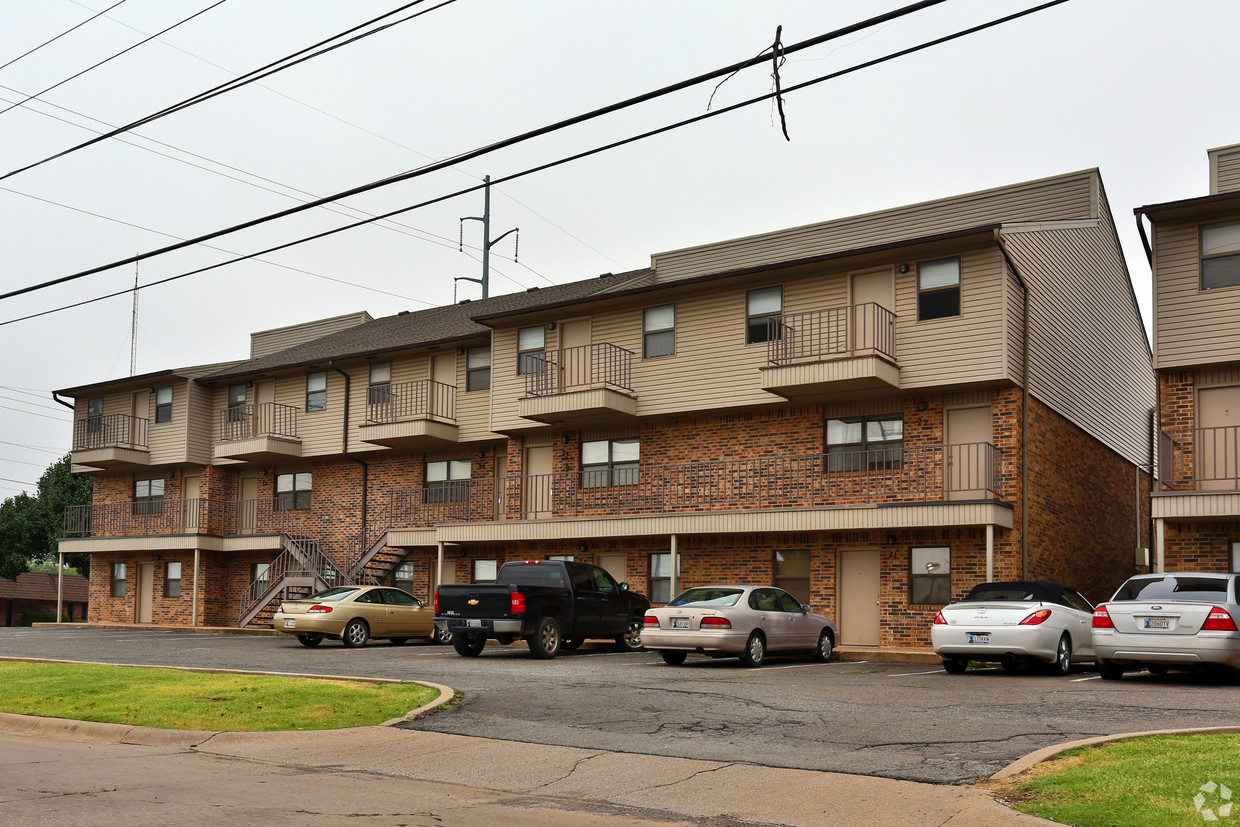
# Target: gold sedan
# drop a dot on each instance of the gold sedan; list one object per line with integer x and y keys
{"x": 355, "y": 614}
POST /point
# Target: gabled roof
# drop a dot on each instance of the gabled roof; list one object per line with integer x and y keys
{"x": 191, "y": 372}
{"x": 38, "y": 585}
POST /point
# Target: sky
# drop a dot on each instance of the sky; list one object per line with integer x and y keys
{"x": 1140, "y": 89}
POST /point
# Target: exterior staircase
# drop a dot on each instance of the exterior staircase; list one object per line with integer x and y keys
{"x": 301, "y": 569}
{"x": 375, "y": 561}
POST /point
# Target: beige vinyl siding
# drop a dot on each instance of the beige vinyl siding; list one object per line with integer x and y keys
{"x": 320, "y": 431}
{"x": 1193, "y": 326}
{"x": 1225, "y": 169}
{"x": 266, "y": 342}
{"x": 1064, "y": 197}
{"x": 200, "y": 424}
{"x": 1014, "y": 305}
{"x": 167, "y": 440}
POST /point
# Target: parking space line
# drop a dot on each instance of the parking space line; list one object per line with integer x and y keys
{"x": 1090, "y": 678}
{"x": 907, "y": 674}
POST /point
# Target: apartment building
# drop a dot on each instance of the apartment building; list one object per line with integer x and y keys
{"x": 875, "y": 413}
{"x": 1194, "y": 250}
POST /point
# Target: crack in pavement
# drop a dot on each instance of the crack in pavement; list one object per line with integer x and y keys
{"x": 570, "y": 772}
{"x": 686, "y": 778}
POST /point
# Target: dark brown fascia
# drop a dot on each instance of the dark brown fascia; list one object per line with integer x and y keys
{"x": 82, "y": 390}
{"x": 981, "y": 230}
{"x": 1187, "y": 206}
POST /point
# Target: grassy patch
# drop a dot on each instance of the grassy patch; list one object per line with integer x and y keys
{"x": 172, "y": 699}
{"x": 1149, "y": 782}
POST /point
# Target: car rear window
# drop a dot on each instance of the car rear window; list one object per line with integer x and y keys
{"x": 531, "y": 574}
{"x": 1208, "y": 589}
{"x": 338, "y": 593}
{"x": 707, "y": 597}
{"x": 992, "y": 593}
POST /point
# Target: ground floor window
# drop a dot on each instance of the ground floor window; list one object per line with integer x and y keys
{"x": 118, "y": 579}
{"x": 485, "y": 571}
{"x": 172, "y": 580}
{"x": 261, "y": 573}
{"x": 930, "y": 578}
{"x": 661, "y": 577}
{"x": 404, "y": 576}
{"x": 293, "y": 491}
{"x": 792, "y": 573}
{"x": 1235, "y": 556}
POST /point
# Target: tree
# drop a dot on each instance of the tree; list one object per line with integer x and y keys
{"x": 31, "y": 526}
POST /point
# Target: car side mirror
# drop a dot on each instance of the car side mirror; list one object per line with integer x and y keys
{"x": 624, "y": 587}
{"x": 804, "y": 608}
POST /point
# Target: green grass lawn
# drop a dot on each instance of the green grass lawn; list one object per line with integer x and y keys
{"x": 1154, "y": 781}
{"x": 174, "y": 699}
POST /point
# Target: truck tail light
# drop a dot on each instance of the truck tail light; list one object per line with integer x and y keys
{"x": 436, "y": 601}
{"x": 650, "y": 620}
{"x": 715, "y": 623}
{"x": 1220, "y": 620}
{"x": 1037, "y": 617}
{"x": 1102, "y": 618}
{"x": 517, "y": 601}
{"x": 318, "y": 610}
{"x": 939, "y": 620}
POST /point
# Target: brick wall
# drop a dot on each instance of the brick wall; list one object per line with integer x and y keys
{"x": 1199, "y": 546}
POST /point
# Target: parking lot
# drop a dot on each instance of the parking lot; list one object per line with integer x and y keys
{"x": 906, "y": 721}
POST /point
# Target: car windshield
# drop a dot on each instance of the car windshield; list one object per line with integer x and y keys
{"x": 993, "y": 593}
{"x": 707, "y": 597}
{"x": 338, "y": 593}
{"x": 1206, "y": 589}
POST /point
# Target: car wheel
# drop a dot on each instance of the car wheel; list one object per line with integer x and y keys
{"x": 1109, "y": 670}
{"x": 545, "y": 644}
{"x": 309, "y": 639}
{"x": 355, "y": 634}
{"x": 673, "y": 658}
{"x": 755, "y": 650}
{"x": 468, "y": 646}
{"x": 569, "y": 644}
{"x": 955, "y": 666}
{"x": 631, "y": 640}
{"x": 825, "y": 648}
{"x": 1062, "y": 664}
{"x": 441, "y": 635}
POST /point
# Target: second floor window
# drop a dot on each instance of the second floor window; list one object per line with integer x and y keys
{"x": 659, "y": 331}
{"x": 607, "y": 462}
{"x": 380, "y": 390}
{"x": 236, "y": 402}
{"x": 447, "y": 481}
{"x": 938, "y": 288}
{"x": 316, "y": 391}
{"x": 148, "y": 497}
{"x": 478, "y": 369}
{"x": 163, "y": 404}
{"x": 293, "y": 491}
{"x": 94, "y": 415}
{"x": 532, "y": 349}
{"x": 865, "y": 443}
{"x": 760, "y": 307}
{"x": 1220, "y": 255}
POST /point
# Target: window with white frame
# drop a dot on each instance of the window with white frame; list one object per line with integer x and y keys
{"x": 485, "y": 571}
{"x": 379, "y": 391}
{"x": 762, "y": 306}
{"x": 172, "y": 580}
{"x": 293, "y": 491}
{"x": 930, "y": 576}
{"x": 118, "y": 579}
{"x": 608, "y": 462}
{"x": 478, "y": 368}
{"x": 865, "y": 443}
{"x": 661, "y": 577}
{"x": 163, "y": 404}
{"x": 148, "y": 496}
{"x": 403, "y": 578}
{"x": 316, "y": 391}
{"x": 532, "y": 349}
{"x": 447, "y": 481}
{"x": 659, "y": 331}
{"x": 938, "y": 288}
{"x": 1220, "y": 255}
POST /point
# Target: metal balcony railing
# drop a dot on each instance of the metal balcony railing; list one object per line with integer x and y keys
{"x": 818, "y": 335}
{"x": 1199, "y": 459}
{"x": 410, "y": 400}
{"x": 580, "y": 368}
{"x": 255, "y": 420}
{"x": 111, "y": 431}
{"x": 189, "y": 516}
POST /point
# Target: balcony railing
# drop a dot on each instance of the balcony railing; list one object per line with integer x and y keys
{"x": 256, "y": 420}
{"x": 1199, "y": 459}
{"x": 819, "y": 335}
{"x": 815, "y": 481}
{"x": 189, "y": 516}
{"x": 111, "y": 431}
{"x": 580, "y": 368}
{"x": 410, "y": 400}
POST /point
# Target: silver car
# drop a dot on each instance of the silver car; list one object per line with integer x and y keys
{"x": 1016, "y": 623}
{"x": 737, "y": 621}
{"x": 1179, "y": 619}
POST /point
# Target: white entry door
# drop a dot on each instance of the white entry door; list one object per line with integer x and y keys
{"x": 860, "y": 599}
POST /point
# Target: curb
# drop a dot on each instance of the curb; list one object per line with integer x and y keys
{"x": 1038, "y": 756}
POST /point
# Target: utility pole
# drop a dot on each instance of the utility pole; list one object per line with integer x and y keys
{"x": 487, "y": 243}
{"x": 133, "y": 328}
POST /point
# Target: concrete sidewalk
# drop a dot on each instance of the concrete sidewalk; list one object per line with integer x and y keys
{"x": 647, "y": 787}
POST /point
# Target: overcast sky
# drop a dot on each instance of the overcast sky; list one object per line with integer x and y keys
{"x": 1138, "y": 88}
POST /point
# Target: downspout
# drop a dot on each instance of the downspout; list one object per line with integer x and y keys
{"x": 1145, "y": 239}
{"x": 68, "y": 405}
{"x": 344, "y": 450}
{"x": 1024, "y": 408}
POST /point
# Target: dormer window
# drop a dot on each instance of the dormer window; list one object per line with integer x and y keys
{"x": 1220, "y": 255}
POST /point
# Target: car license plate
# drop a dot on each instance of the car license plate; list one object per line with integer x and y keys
{"x": 290, "y": 623}
{"x": 473, "y": 624}
{"x": 1155, "y": 623}
{"x": 680, "y": 623}
{"x": 978, "y": 637}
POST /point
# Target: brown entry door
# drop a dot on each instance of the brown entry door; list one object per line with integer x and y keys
{"x": 537, "y": 489}
{"x": 860, "y": 617}
{"x": 575, "y": 367}
{"x": 1217, "y": 448}
{"x": 146, "y": 591}
{"x": 969, "y": 433}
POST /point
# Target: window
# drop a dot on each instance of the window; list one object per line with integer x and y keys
{"x": 938, "y": 288}
{"x": 1235, "y": 557}
{"x": 531, "y": 349}
{"x": 447, "y": 481}
{"x": 792, "y": 573}
{"x": 930, "y": 580}
{"x": 293, "y": 491}
{"x": 172, "y": 580}
{"x": 606, "y": 462}
{"x": 148, "y": 497}
{"x": 761, "y": 306}
{"x": 865, "y": 443}
{"x": 564, "y": 558}
{"x": 404, "y": 577}
{"x": 261, "y": 574}
{"x": 163, "y": 404}
{"x": 380, "y": 390}
{"x": 659, "y": 331}
{"x": 393, "y": 597}
{"x": 236, "y": 402}
{"x": 94, "y": 415}
{"x": 478, "y": 368}
{"x": 316, "y": 391}
{"x": 661, "y": 577}
{"x": 484, "y": 571}
{"x": 118, "y": 579}
{"x": 1220, "y": 255}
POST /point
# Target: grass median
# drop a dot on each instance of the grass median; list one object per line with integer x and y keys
{"x": 177, "y": 699}
{"x": 1152, "y": 781}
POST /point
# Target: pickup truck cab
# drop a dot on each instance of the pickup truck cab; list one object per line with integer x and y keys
{"x": 550, "y": 604}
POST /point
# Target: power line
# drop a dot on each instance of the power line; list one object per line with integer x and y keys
{"x": 33, "y": 413}
{"x": 113, "y": 57}
{"x": 23, "y": 462}
{"x": 58, "y": 453}
{"x": 551, "y": 164}
{"x": 19, "y": 482}
{"x": 62, "y": 34}
{"x": 56, "y": 408}
{"x": 476, "y": 153}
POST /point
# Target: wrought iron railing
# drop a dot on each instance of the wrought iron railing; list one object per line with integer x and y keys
{"x": 823, "y": 334}
{"x": 259, "y": 419}
{"x": 579, "y": 368}
{"x": 111, "y": 431}
{"x": 188, "y": 516}
{"x": 410, "y": 400}
{"x": 1199, "y": 459}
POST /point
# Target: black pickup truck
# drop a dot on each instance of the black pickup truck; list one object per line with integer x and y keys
{"x": 551, "y": 604}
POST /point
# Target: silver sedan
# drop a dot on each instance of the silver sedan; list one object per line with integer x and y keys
{"x": 1173, "y": 620}
{"x": 737, "y": 621}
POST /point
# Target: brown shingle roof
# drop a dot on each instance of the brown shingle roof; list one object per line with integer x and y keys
{"x": 37, "y": 585}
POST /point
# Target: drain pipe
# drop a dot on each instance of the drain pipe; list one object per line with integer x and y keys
{"x": 344, "y": 450}
{"x": 68, "y": 405}
{"x": 1024, "y": 408}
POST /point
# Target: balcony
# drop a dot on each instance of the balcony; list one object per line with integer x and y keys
{"x": 144, "y": 518}
{"x": 593, "y": 382}
{"x": 410, "y": 415}
{"x": 265, "y": 431}
{"x": 840, "y": 350}
{"x": 1198, "y": 474}
{"x": 114, "y": 442}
